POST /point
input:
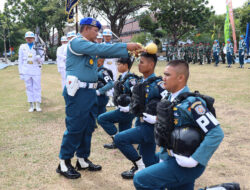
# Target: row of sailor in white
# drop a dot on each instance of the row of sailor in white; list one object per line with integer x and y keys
{"x": 110, "y": 63}
{"x": 61, "y": 59}
{"x": 30, "y": 70}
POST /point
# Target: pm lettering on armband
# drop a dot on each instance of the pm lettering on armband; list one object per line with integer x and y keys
{"x": 107, "y": 78}
{"x": 204, "y": 118}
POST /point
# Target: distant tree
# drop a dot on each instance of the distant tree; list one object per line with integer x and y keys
{"x": 180, "y": 18}
{"x": 116, "y": 12}
{"x": 244, "y": 17}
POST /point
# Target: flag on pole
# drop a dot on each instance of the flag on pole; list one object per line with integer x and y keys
{"x": 69, "y": 8}
{"x": 247, "y": 38}
{"x": 231, "y": 17}
{"x": 226, "y": 26}
{"x": 212, "y": 37}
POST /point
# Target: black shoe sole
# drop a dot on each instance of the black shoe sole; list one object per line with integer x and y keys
{"x": 68, "y": 177}
{"x": 127, "y": 177}
{"x": 89, "y": 169}
{"x": 110, "y": 147}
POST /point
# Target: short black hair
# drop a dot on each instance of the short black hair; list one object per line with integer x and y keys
{"x": 152, "y": 57}
{"x": 83, "y": 26}
{"x": 182, "y": 64}
{"x": 126, "y": 61}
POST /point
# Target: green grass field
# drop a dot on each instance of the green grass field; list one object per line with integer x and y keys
{"x": 30, "y": 142}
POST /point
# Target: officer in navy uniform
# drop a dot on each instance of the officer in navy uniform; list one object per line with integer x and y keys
{"x": 122, "y": 95}
{"x": 242, "y": 47}
{"x": 195, "y": 136}
{"x": 229, "y": 48}
{"x": 105, "y": 83}
{"x": 216, "y": 51}
{"x": 80, "y": 95}
{"x": 145, "y": 95}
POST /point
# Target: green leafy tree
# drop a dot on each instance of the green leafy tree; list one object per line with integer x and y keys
{"x": 180, "y": 18}
{"x": 116, "y": 12}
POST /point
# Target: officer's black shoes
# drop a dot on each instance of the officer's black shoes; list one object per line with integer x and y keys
{"x": 226, "y": 186}
{"x": 138, "y": 166}
{"x": 71, "y": 173}
{"x": 110, "y": 146}
{"x": 129, "y": 174}
{"x": 86, "y": 164}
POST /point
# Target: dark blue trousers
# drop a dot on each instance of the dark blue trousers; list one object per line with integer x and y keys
{"x": 143, "y": 135}
{"x": 102, "y": 101}
{"x": 241, "y": 57}
{"x": 167, "y": 174}
{"x": 229, "y": 58}
{"x": 216, "y": 58}
{"x": 81, "y": 111}
{"x": 107, "y": 120}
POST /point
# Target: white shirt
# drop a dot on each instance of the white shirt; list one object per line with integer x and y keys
{"x": 61, "y": 57}
{"x": 174, "y": 95}
{"x": 123, "y": 74}
{"x": 27, "y": 63}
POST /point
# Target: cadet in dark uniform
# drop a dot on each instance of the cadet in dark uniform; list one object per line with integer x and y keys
{"x": 80, "y": 95}
{"x": 105, "y": 83}
{"x": 145, "y": 95}
{"x": 242, "y": 47}
{"x": 216, "y": 51}
{"x": 222, "y": 54}
{"x": 208, "y": 53}
{"x": 187, "y": 131}
{"x": 229, "y": 48}
{"x": 122, "y": 96}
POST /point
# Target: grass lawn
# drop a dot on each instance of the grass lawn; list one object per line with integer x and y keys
{"x": 30, "y": 142}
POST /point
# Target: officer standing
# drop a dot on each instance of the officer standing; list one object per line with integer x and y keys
{"x": 99, "y": 38}
{"x": 216, "y": 51}
{"x": 80, "y": 95}
{"x": 208, "y": 53}
{"x": 61, "y": 59}
{"x": 229, "y": 48}
{"x": 190, "y": 118}
{"x": 222, "y": 54}
{"x": 122, "y": 95}
{"x": 242, "y": 47}
{"x": 145, "y": 95}
{"x": 30, "y": 71}
{"x": 201, "y": 53}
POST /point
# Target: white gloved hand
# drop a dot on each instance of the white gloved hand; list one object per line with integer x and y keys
{"x": 187, "y": 162}
{"x": 242, "y": 53}
{"x": 124, "y": 109}
{"x": 149, "y": 118}
{"x": 38, "y": 58}
{"x": 98, "y": 93}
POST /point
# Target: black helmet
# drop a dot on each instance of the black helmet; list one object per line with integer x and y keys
{"x": 185, "y": 140}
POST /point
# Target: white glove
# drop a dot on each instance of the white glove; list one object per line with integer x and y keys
{"x": 242, "y": 53}
{"x": 124, "y": 109}
{"x": 98, "y": 93}
{"x": 38, "y": 58}
{"x": 149, "y": 118}
{"x": 187, "y": 162}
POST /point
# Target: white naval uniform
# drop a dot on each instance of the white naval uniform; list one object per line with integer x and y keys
{"x": 30, "y": 71}
{"x": 61, "y": 62}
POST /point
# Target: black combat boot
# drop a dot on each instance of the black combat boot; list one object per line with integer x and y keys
{"x": 111, "y": 145}
{"x": 138, "y": 166}
{"x": 71, "y": 173}
{"x": 85, "y": 163}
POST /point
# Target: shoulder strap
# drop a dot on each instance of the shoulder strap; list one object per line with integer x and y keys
{"x": 71, "y": 50}
{"x": 108, "y": 70}
{"x": 129, "y": 75}
{"x": 151, "y": 80}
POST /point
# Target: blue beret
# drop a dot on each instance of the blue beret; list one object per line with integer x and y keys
{"x": 228, "y": 40}
{"x": 91, "y": 21}
{"x": 242, "y": 36}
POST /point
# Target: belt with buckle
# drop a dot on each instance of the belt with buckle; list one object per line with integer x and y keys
{"x": 87, "y": 85}
{"x": 30, "y": 62}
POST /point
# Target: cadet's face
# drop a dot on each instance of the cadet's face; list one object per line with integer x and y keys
{"x": 170, "y": 79}
{"x": 64, "y": 42}
{"x": 145, "y": 65}
{"x": 99, "y": 40}
{"x": 107, "y": 38}
{"x": 30, "y": 40}
{"x": 122, "y": 67}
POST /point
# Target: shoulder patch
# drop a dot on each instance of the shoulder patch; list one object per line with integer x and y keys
{"x": 200, "y": 109}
